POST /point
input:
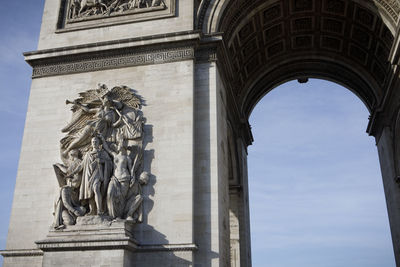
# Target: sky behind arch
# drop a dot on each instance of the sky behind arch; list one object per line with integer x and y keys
{"x": 290, "y": 203}
{"x": 316, "y": 193}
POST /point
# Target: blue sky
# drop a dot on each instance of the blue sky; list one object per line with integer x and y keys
{"x": 19, "y": 26}
{"x": 316, "y": 192}
{"x": 315, "y": 185}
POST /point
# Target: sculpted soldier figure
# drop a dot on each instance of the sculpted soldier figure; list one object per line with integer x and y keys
{"x": 67, "y": 206}
{"x": 134, "y": 199}
{"x": 97, "y": 170}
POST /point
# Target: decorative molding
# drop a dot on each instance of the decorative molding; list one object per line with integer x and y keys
{"x": 86, "y": 244}
{"x": 21, "y": 252}
{"x": 168, "y": 247}
{"x": 96, "y": 62}
{"x": 52, "y": 246}
{"x": 122, "y": 243}
{"x": 202, "y": 13}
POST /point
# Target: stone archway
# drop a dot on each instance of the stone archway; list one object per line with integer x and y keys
{"x": 265, "y": 43}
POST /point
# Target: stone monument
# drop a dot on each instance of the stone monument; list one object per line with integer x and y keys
{"x": 148, "y": 165}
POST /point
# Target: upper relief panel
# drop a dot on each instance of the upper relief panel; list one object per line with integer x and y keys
{"x": 82, "y": 22}
{"x": 83, "y": 14}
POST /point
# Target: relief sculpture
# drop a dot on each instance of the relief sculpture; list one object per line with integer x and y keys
{"x": 102, "y": 155}
{"x": 80, "y": 9}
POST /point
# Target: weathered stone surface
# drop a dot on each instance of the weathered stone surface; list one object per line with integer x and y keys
{"x": 94, "y": 220}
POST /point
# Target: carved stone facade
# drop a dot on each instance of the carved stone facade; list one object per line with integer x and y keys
{"x": 201, "y": 66}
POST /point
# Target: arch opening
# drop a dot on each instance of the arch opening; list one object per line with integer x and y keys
{"x": 315, "y": 188}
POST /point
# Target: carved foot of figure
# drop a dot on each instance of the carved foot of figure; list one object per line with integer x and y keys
{"x": 131, "y": 219}
{"x": 90, "y": 213}
{"x": 80, "y": 211}
{"x": 118, "y": 219}
{"x": 60, "y": 227}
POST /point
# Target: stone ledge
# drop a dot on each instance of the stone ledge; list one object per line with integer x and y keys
{"x": 113, "y": 44}
{"x": 98, "y": 62}
{"x": 87, "y": 244}
{"x": 169, "y": 247}
{"x": 158, "y": 49}
{"x": 115, "y": 235}
{"x": 107, "y": 244}
{"x": 21, "y": 252}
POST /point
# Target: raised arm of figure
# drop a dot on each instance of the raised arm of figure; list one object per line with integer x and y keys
{"x": 118, "y": 122}
{"x": 106, "y": 147}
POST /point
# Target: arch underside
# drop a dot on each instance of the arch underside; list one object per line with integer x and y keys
{"x": 269, "y": 42}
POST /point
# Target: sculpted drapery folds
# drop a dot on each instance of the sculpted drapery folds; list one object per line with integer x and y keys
{"x": 102, "y": 156}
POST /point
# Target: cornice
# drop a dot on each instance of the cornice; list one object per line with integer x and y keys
{"x": 99, "y": 244}
{"x": 21, "y": 253}
{"x": 156, "y": 49}
{"x": 96, "y": 62}
{"x": 114, "y": 44}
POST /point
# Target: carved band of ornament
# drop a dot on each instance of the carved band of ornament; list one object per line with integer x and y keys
{"x": 82, "y": 244}
{"x": 112, "y": 244}
{"x": 393, "y": 8}
{"x": 113, "y": 62}
{"x": 21, "y": 253}
{"x": 169, "y": 247}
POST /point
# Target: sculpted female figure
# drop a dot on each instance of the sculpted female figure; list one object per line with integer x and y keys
{"x": 120, "y": 181}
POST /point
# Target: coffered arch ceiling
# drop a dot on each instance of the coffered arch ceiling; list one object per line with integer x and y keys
{"x": 269, "y": 42}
